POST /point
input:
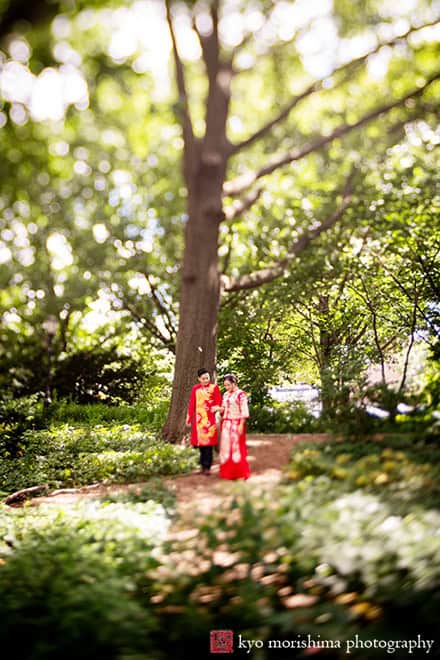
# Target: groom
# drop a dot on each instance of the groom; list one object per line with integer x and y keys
{"x": 205, "y": 401}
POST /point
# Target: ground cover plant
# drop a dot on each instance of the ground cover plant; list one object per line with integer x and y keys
{"x": 70, "y": 456}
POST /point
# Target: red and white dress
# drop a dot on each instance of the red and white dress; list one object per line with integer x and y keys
{"x": 233, "y": 452}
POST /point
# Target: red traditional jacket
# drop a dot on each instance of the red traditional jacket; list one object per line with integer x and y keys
{"x": 201, "y": 416}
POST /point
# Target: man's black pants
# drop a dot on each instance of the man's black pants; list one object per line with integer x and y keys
{"x": 206, "y": 457}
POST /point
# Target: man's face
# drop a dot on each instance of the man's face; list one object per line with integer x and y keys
{"x": 204, "y": 379}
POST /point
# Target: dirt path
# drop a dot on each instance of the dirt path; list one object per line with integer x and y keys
{"x": 268, "y": 454}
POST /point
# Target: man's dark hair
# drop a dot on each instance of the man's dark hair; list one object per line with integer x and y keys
{"x": 202, "y": 371}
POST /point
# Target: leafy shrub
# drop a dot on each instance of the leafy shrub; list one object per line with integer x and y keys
{"x": 154, "y": 490}
{"x": 88, "y": 375}
{"x": 353, "y": 420}
{"x": 310, "y": 559}
{"x": 70, "y": 456}
{"x": 72, "y": 585}
{"x": 318, "y": 556}
{"x": 405, "y": 470}
{"x": 432, "y": 390}
{"x": 16, "y": 417}
{"x": 282, "y": 417}
{"x": 69, "y": 412}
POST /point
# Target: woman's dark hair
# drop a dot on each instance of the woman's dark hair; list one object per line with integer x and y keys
{"x": 232, "y": 379}
{"x": 202, "y": 371}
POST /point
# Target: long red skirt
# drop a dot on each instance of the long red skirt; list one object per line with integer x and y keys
{"x": 233, "y": 451}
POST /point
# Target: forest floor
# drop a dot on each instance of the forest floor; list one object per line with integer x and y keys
{"x": 196, "y": 493}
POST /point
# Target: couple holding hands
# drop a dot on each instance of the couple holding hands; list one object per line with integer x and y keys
{"x": 205, "y": 401}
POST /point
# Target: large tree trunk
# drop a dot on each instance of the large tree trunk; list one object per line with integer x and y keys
{"x": 204, "y": 169}
{"x": 199, "y": 295}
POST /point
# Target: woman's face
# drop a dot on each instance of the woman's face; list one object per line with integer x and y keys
{"x": 228, "y": 385}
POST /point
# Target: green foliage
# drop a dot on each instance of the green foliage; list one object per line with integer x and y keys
{"x": 71, "y": 583}
{"x": 26, "y": 413}
{"x": 402, "y": 467}
{"x": 251, "y": 344}
{"x": 16, "y": 417}
{"x": 73, "y": 456}
{"x": 273, "y": 568}
{"x": 86, "y": 233}
{"x": 352, "y": 419}
{"x": 282, "y": 418}
{"x": 385, "y": 397}
{"x": 324, "y": 554}
{"x": 87, "y": 376}
{"x": 150, "y": 414}
{"x": 432, "y": 391}
{"x": 92, "y": 231}
{"x": 320, "y": 557}
{"x": 154, "y": 490}
{"x": 23, "y": 366}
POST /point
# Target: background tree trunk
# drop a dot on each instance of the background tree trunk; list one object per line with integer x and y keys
{"x": 325, "y": 350}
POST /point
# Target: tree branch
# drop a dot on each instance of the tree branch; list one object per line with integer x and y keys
{"x": 233, "y": 299}
{"x": 187, "y": 127}
{"x": 285, "y": 112}
{"x": 265, "y": 275}
{"x": 318, "y": 354}
{"x": 150, "y": 326}
{"x": 242, "y": 205}
{"x": 236, "y": 186}
{"x": 421, "y": 109}
{"x": 210, "y": 43}
{"x": 215, "y": 147}
{"x": 404, "y": 290}
{"x": 428, "y": 272}
{"x": 317, "y": 85}
{"x": 275, "y": 48}
{"x": 373, "y": 313}
{"x": 227, "y": 257}
{"x": 17, "y": 498}
{"x": 304, "y": 314}
{"x": 355, "y": 340}
{"x": 157, "y": 299}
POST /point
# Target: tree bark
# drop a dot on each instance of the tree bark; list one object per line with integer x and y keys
{"x": 325, "y": 354}
{"x": 17, "y": 498}
{"x": 199, "y": 296}
{"x": 204, "y": 169}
